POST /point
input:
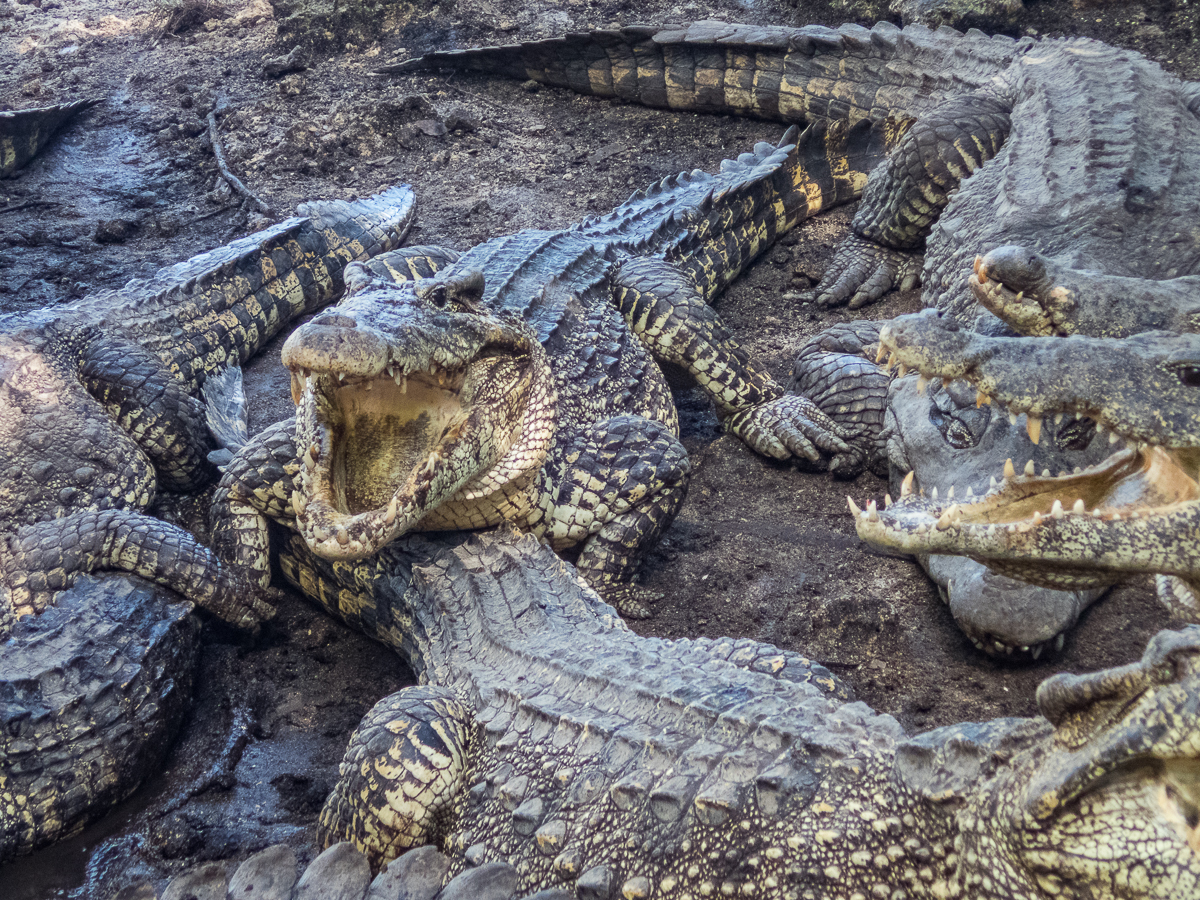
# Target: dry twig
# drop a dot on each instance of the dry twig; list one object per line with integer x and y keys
{"x": 223, "y": 168}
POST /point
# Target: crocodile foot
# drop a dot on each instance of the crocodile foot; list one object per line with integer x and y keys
{"x": 791, "y": 426}
{"x": 862, "y": 271}
{"x": 631, "y": 601}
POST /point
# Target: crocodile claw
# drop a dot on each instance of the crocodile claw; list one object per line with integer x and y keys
{"x": 790, "y": 426}
{"x": 862, "y": 271}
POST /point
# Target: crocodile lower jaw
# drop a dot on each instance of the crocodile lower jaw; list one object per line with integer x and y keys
{"x": 1071, "y": 531}
{"x": 378, "y": 453}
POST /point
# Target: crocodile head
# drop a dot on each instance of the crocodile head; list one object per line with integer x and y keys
{"x": 1132, "y": 512}
{"x": 953, "y": 447}
{"x": 1099, "y": 799}
{"x": 408, "y": 396}
{"x": 1039, "y": 296}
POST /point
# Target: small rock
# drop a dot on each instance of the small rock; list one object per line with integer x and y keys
{"x": 340, "y": 873}
{"x": 460, "y": 120}
{"x": 417, "y": 875}
{"x": 267, "y": 875}
{"x": 282, "y": 65}
{"x": 204, "y": 883}
{"x": 491, "y": 881}
{"x": 114, "y": 231}
{"x": 431, "y": 127}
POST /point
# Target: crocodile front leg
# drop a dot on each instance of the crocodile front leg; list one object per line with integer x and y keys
{"x": 403, "y": 775}
{"x": 906, "y": 193}
{"x": 149, "y": 403}
{"x": 835, "y": 369}
{"x": 259, "y": 484}
{"x": 41, "y": 559}
{"x": 620, "y": 486}
{"x": 667, "y": 312}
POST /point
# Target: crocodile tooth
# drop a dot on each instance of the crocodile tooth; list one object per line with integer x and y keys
{"x": 1000, "y": 648}
{"x": 1020, "y": 296}
{"x": 1076, "y": 470}
{"x": 970, "y": 492}
{"x": 1012, "y": 417}
{"x": 853, "y": 506}
{"x": 1029, "y": 470}
{"x": 1058, "y": 417}
{"x": 980, "y": 269}
{"x": 1113, "y": 437}
{"x": 1080, "y": 507}
{"x": 321, "y": 533}
{"x": 981, "y": 399}
{"x": 297, "y": 389}
{"x": 922, "y": 529}
{"x": 1056, "y": 509}
{"x": 933, "y": 494}
{"x": 342, "y": 536}
{"x": 341, "y": 376}
{"x": 992, "y": 482}
{"x": 1033, "y": 426}
{"x": 1101, "y": 428}
{"x": 906, "y": 485}
{"x": 891, "y": 361}
{"x": 299, "y": 504}
{"x": 1037, "y": 517}
{"x": 902, "y": 371}
{"x": 950, "y": 493}
{"x": 922, "y": 383}
{"x": 1135, "y": 514}
{"x": 978, "y": 643}
{"x": 1045, "y": 473}
{"x": 1116, "y": 517}
{"x": 1036, "y": 650}
{"x": 1009, "y": 472}
{"x": 882, "y": 351}
{"x": 392, "y": 509}
{"x": 1096, "y": 514}
{"x": 887, "y": 500}
{"x": 1059, "y": 641}
{"x": 872, "y": 512}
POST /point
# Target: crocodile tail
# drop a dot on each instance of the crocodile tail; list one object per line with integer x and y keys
{"x": 803, "y": 74}
{"x": 221, "y": 307}
{"x": 24, "y": 132}
{"x": 823, "y": 167}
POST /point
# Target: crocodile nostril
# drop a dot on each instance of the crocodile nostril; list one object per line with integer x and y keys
{"x": 334, "y": 320}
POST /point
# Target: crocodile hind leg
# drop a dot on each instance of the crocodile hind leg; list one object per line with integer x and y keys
{"x": 152, "y": 405}
{"x": 666, "y": 310}
{"x": 906, "y": 193}
{"x": 622, "y": 484}
{"x": 40, "y": 559}
{"x": 402, "y": 775}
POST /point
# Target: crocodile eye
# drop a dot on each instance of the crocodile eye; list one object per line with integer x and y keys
{"x": 1189, "y": 375}
{"x": 1076, "y": 435}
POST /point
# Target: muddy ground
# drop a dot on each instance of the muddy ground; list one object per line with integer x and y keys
{"x": 760, "y": 549}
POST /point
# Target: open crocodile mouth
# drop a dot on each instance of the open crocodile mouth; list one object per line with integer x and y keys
{"x": 1068, "y": 531}
{"x": 381, "y": 451}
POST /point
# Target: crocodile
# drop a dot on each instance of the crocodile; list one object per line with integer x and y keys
{"x": 1069, "y": 148}
{"x": 1062, "y": 167}
{"x": 518, "y": 381}
{"x": 24, "y": 133}
{"x": 947, "y": 442}
{"x": 92, "y": 692}
{"x": 100, "y": 405}
{"x": 548, "y": 736}
{"x": 1134, "y": 511}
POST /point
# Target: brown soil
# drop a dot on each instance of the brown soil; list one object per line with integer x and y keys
{"x": 760, "y": 549}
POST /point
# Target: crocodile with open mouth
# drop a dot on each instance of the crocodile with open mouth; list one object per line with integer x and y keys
{"x": 518, "y": 382}
{"x": 1135, "y": 511}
